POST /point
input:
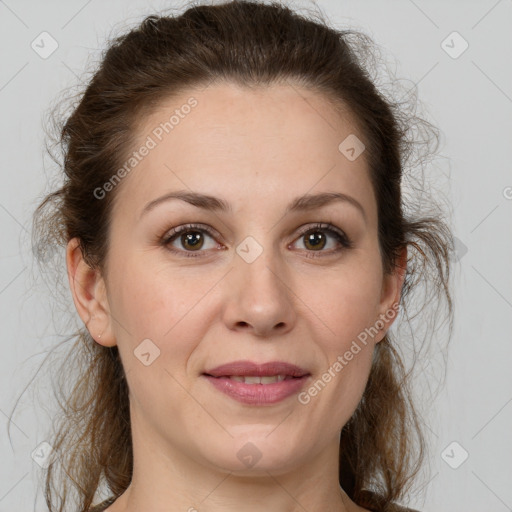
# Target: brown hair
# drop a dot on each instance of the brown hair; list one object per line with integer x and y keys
{"x": 251, "y": 44}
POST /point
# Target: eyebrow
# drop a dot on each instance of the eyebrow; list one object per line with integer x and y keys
{"x": 305, "y": 202}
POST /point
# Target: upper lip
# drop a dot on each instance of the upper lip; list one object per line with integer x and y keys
{"x": 250, "y": 368}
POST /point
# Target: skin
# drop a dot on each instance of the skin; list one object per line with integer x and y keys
{"x": 258, "y": 150}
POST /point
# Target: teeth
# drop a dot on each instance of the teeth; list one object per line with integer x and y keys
{"x": 258, "y": 380}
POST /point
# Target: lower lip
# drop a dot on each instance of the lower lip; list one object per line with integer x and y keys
{"x": 258, "y": 394}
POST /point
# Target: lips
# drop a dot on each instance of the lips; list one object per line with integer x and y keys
{"x": 280, "y": 369}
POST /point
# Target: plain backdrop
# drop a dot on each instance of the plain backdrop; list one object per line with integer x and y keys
{"x": 465, "y": 82}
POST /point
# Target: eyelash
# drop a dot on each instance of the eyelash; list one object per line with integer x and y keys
{"x": 339, "y": 235}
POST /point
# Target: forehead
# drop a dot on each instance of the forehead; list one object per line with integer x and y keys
{"x": 254, "y": 145}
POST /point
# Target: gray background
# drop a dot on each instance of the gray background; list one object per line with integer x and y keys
{"x": 468, "y": 97}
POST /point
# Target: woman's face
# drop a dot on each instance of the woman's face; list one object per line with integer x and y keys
{"x": 256, "y": 281}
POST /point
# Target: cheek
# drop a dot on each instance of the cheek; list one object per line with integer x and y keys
{"x": 346, "y": 303}
{"x": 149, "y": 300}
{"x": 167, "y": 308}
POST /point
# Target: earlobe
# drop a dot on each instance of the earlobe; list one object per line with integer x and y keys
{"x": 391, "y": 293}
{"x": 89, "y": 295}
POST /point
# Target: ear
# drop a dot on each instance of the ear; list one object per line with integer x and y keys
{"x": 89, "y": 295}
{"x": 390, "y": 296}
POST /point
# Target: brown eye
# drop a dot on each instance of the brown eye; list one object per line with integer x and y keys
{"x": 315, "y": 240}
{"x": 188, "y": 239}
{"x": 318, "y": 237}
{"x": 192, "y": 240}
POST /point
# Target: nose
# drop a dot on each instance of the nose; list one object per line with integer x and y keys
{"x": 258, "y": 298}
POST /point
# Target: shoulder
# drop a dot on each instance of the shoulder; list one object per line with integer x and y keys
{"x": 374, "y": 503}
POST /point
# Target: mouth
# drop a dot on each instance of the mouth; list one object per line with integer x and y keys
{"x": 255, "y": 379}
{"x": 280, "y": 370}
{"x": 257, "y": 384}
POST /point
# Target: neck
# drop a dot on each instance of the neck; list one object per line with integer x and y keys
{"x": 170, "y": 480}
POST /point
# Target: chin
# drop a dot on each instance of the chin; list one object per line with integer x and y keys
{"x": 258, "y": 451}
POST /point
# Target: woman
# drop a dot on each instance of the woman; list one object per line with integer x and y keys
{"x": 237, "y": 248}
